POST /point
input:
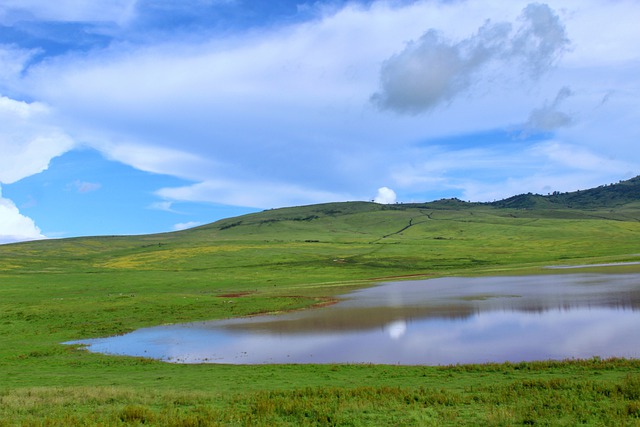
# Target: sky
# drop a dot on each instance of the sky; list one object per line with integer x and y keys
{"x": 145, "y": 116}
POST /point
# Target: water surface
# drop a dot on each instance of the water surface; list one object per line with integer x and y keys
{"x": 428, "y": 322}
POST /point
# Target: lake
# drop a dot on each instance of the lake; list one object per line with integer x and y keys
{"x": 440, "y": 321}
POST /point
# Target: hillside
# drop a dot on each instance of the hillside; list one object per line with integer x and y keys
{"x": 619, "y": 201}
{"x": 605, "y": 196}
{"x": 362, "y": 239}
{"x": 364, "y": 222}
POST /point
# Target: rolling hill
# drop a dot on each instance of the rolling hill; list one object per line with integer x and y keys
{"x": 368, "y": 239}
{"x": 605, "y": 196}
{"x": 619, "y": 201}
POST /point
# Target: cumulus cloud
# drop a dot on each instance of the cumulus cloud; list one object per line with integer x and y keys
{"x": 541, "y": 40}
{"x": 14, "y": 226}
{"x": 433, "y": 70}
{"x": 549, "y": 118}
{"x": 27, "y": 141}
{"x": 385, "y": 196}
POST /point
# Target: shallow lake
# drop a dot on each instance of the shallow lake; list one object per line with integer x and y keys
{"x": 428, "y": 322}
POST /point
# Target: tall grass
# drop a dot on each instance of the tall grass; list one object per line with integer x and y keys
{"x": 553, "y": 401}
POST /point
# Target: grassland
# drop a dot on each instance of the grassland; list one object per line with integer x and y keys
{"x": 279, "y": 260}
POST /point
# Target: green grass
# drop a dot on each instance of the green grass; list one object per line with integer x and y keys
{"x": 589, "y": 392}
{"x": 288, "y": 259}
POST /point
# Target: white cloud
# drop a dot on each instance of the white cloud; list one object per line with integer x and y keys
{"x": 490, "y": 173}
{"x": 616, "y": 22}
{"x": 576, "y": 158}
{"x": 248, "y": 194}
{"x": 185, "y": 225}
{"x": 67, "y": 10}
{"x": 149, "y": 158}
{"x": 14, "y": 226}
{"x": 164, "y": 205}
{"x": 27, "y": 141}
{"x": 385, "y": 196}
{"x": 12, "y": 62}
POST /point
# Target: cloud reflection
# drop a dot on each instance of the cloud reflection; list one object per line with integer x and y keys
{"x": 396, "y": 329}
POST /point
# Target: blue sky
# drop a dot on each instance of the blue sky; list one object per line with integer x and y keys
{"x": 140, "y": 116}
{"x": 112, "y": 197}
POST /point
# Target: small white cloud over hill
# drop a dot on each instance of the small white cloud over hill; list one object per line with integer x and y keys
{"x": 185, "y": 225}
{"x": 385, "y": 196}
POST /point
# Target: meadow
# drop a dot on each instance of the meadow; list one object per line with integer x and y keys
{"x": 289, "y": 259}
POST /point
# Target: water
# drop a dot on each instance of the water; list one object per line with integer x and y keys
{"x": 429, "y": 322}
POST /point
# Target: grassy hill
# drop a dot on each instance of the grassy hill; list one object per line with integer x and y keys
{"x": 54, "y": 291}
{"x": 612, "y": 196}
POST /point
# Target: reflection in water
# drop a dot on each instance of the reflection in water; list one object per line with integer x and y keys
{"x": 396, "y": 329}
{"x": 431, "y": 322}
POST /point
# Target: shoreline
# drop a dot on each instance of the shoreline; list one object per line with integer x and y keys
{"x": 609, "y": 264}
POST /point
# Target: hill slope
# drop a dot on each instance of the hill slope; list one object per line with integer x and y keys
{"x": 604, "y": 196}
{"x": 363, "y": 239}
{"x": 619, "y": 201}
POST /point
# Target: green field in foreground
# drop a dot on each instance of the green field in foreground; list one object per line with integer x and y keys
{"x": 286, "y": 259}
